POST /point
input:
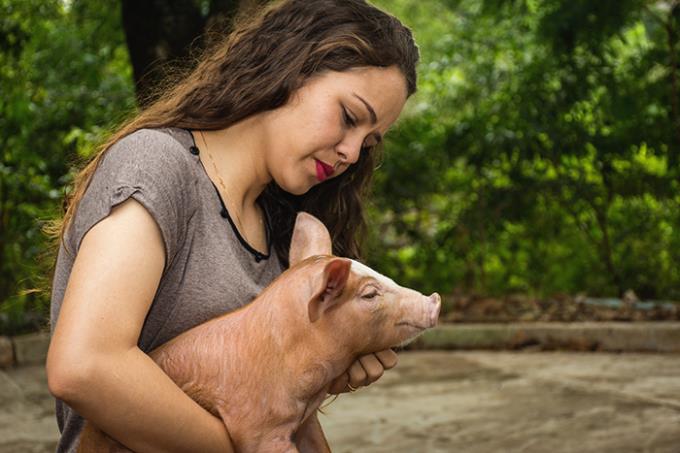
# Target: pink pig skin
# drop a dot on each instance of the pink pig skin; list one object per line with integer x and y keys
{"x": 266, "y": 368}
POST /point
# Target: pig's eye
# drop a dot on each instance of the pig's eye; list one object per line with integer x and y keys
{"x": 370, "y": 295}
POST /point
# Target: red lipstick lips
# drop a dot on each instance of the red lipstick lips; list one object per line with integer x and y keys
{"x": 323, "y": 170}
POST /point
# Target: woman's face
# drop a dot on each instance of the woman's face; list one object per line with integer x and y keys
{"x": 321, "y": 130}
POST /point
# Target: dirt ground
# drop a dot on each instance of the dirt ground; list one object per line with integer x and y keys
{"x": 514, "y": 402}
{"x": 456, "y": 402}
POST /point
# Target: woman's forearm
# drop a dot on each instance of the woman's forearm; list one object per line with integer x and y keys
{"x": 131, "y": 399}
{"x": 310, "y": 438}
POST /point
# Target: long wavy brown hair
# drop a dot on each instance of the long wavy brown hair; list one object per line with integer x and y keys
{"x": 257, "y": 68}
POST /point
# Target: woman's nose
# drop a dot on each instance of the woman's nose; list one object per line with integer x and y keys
{"x": 349, "y": 151}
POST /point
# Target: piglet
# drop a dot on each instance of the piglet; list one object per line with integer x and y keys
{"x": 265, "y": 368}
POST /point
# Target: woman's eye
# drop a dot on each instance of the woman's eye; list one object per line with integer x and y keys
{"x": 348, "y": 119}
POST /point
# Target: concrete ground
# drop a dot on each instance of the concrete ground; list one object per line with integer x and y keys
{"x": 437, "y": 401}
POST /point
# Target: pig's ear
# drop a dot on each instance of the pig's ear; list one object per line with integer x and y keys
{"x": 333, "y": 282}
{"x": 310, "y": 237}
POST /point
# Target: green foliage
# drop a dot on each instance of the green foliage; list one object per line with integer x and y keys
{"x": 538, "y": 155}
{"x": 65, "y": 75}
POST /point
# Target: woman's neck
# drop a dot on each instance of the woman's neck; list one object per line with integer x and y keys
{"x": 238, "y": 156}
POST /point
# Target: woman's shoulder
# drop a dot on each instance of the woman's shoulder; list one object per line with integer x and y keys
{"x": 155, "y": 142}
{"x": 166, "y": 135}
{"x": 159, "y": 153}
{"x": 154, "y": 167}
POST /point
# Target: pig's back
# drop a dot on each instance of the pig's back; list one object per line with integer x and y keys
{"x": 209, "y": 269}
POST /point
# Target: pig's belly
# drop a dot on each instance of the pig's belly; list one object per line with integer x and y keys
{"x": 260, "y": 415}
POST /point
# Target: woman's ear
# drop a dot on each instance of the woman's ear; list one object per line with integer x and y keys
{"x": 310, "y": 237}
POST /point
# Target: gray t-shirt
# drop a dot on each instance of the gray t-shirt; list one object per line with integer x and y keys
{"x": 209, "y": 270}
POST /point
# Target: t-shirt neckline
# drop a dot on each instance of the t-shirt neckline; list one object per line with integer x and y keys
{"x": 224, "y": 212}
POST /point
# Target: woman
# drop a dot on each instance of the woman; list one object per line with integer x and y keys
{"x": 176, "y": 219}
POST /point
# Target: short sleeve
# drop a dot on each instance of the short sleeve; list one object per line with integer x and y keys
{"x": 152, "y": 167}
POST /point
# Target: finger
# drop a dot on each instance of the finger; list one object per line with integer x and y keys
{"x": 357, "y": 374}
{"x": 372, "y": 366}
{"x": 339, "y": 385}
{"x": 388, "y": 358}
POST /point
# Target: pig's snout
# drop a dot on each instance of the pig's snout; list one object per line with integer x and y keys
{"x": 435, "y": 304}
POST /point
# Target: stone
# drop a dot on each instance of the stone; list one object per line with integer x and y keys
{"x": 6, "y": 353}
{"x": 661, "y": 336}
{"x": 31, "y": 349}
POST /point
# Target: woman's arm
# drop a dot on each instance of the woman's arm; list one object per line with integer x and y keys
{"x": 310, "y": 438}
{"x": 94, "y": 364}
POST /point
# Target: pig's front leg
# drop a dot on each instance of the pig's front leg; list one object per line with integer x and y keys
{"x": 309, "y": 437}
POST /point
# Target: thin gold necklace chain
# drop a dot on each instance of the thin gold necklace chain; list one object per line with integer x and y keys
{"x": 224, "y": 188}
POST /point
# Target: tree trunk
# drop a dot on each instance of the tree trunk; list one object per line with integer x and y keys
{"x": 158, "y": 32}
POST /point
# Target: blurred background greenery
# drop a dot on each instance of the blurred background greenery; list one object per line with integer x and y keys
{"x": 539, "y": 156}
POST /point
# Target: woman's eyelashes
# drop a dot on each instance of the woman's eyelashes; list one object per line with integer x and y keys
{"x": 349, "y": 121}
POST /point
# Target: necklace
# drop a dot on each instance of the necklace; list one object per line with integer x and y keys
{"x": 241, "y": 228}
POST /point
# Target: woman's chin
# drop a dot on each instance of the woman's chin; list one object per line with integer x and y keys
{"x": 298, "y": 188}
{"x": 299, "y": 191}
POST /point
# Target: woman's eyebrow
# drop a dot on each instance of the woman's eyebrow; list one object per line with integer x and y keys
{"x": 374, "y": 117}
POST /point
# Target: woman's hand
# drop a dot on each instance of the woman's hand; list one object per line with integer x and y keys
{"x": 366, "y": 370}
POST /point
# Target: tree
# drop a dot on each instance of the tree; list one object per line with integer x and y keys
{"x": 65, "y": 78}
{"x": 177, "y": 29}
{"x": 66, "y": 81}
{"x": 544, "y": 132}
